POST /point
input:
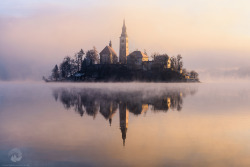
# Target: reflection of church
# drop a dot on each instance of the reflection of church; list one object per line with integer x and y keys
{"x": 108, "y": 55}
{"x": 108, "y": 110}
{"x": 93, "y": 101}
{"x": 123, "y": 120}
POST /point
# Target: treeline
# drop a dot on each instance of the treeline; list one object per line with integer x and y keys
{"x": 176, "y": 64}
{"x": 72, "y": 65}
{"x": 89, "y": 101}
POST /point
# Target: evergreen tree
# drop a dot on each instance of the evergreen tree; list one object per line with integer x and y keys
{"x": 55, "y": 73}
{"x": 78, "y": 59}
{"x": 194, "y": 75}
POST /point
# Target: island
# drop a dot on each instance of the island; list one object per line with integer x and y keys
{"x": 135, "y": 66}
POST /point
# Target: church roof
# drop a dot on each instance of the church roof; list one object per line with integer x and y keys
{"x": 108, "y": 50}
{"x": 139, "y": 54}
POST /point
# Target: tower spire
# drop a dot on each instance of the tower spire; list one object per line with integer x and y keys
{"x": 124, "y": 29}
{"x": 110, "y": 43}
{"x": 123, "y": 45}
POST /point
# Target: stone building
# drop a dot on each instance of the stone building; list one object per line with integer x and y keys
{"x": 135, "y": 59}
{"x": 108, "y": 55}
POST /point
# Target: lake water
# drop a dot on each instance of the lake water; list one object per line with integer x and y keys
{"x": 124, "y": 124}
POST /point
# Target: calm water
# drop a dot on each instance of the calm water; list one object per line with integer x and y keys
{"x": 133, "y": 124}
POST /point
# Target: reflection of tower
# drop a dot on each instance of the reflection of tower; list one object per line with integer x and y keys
{"x": 168, "y": 102}
{"x": 123, "y": 45}
{"x": 123, "y": 120}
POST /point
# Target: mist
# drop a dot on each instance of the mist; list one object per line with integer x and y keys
{"x": 37, "y": 35}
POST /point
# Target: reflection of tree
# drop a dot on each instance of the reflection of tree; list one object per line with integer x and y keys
{"x": 107, "y": 102}
{"x": 55, "y": 94}
{"x": 134, "y": 107}
{"x": 161, "y": 104}
{"x": 176, "y": 102}
{"x": 92, "y": 100}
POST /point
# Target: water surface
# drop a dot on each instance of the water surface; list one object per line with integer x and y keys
{"x": 125, "y": 124}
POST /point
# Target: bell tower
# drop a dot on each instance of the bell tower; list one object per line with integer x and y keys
{"x": 123, "y": 45}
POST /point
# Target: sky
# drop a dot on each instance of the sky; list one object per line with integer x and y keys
{"x": 212, "y": 36}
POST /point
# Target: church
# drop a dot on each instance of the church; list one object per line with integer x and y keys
{"x": 137, "y": 60}
{"x": 109, "y": 56}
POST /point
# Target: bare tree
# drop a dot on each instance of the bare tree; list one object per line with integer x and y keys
{"x": 93, "y": 55}
{"x": 153, "y": 55}
{"x": 65, "y": 67}
{"x": 174, "y": 63}
{"x": 179, "y": 62}
{"x": 78, "y": 59}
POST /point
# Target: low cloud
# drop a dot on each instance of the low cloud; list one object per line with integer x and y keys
{"x": 236, "y": 74}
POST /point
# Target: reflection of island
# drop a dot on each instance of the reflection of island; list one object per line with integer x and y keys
{"x": 90, "y": 101}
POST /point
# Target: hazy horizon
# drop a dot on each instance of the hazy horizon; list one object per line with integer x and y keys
{"x": 212, "y": 36}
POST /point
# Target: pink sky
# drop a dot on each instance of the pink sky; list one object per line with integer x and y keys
{"x": 210, "y": 35}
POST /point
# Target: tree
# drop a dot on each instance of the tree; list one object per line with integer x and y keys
{"x": 179, "y": 62}
{"x": 184, "y": 71}
{"x": 55, "y": 73}
{"x": 93, "y": 55}
{"x": 154, "y": 55}
{"x": 73, "y": 65}
{"x": 78, "y": 59}
{"x": 194, "y": 75}
{"x": 180, "y": 65}
{"x": 161, "y": 60}
{"x": 174, "y": 63}
{"x": 65, "y": 67}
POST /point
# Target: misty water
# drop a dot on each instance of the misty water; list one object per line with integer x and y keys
{"x": 125, "y": 124}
